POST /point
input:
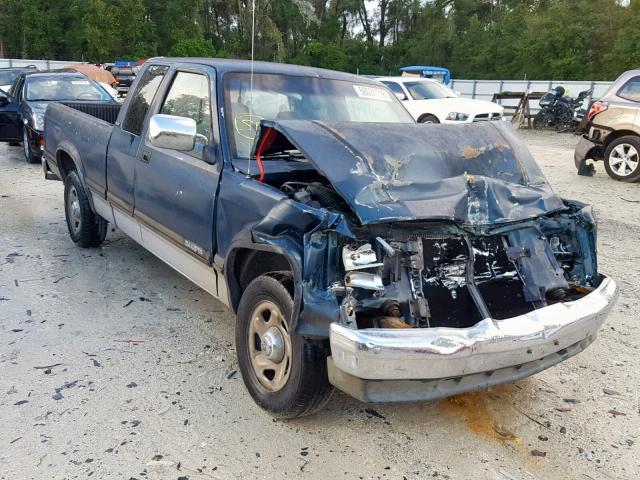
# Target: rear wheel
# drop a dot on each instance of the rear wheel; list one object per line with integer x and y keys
{"x": 622, "y": 159}
{"x": 85, "y": 227}
{"x": 285, "y": 373}
{"x": 428, "y": 119}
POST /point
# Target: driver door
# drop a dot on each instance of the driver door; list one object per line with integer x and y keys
{"x": 10, "y": 123}
{"x": 175, "y": 190}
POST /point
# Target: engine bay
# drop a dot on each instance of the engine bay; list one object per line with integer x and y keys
{"x": 424, "y": 275}
{"x": 455, "y": 280}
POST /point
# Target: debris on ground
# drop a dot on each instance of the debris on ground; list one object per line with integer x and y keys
{"x": 616, "y": 413}
{"x": 374, "y": 413}
{"x": 588, "y": 454}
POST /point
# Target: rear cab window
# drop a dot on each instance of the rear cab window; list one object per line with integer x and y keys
{"x": 142, "y": 98}
{"x": 118, "y": 71}
{"x": 631, "y": 90}
{"x": 395, "y": 88}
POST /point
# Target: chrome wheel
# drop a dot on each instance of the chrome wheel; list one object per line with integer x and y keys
{"x": 269, "y": 346}
{"x": 73, "y": 210}
{"x": 623, "y": 160}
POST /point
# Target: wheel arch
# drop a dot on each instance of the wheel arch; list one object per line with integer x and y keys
{"x": 247, "y": 261}
{"x": 616, "y": 134}
{"x": 68, "y": 159}
{"x": 422, "y": 116}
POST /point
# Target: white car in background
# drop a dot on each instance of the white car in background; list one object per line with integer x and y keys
{"x": 429, "y": 101}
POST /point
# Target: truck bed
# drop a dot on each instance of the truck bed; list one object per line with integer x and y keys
{"x": 104, "y": 111}
{"x": 83, "y": 130}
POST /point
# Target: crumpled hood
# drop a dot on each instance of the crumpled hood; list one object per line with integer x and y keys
{"x": 477, "y": 174}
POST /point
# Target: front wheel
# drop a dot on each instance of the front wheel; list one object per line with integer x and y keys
{"x": 29, "y": 156}
{"x": 285, "y": 373}
{"x": 85, "y": 227}
{"x": 622, "y": 159}
{"x": 543, "y": 119}
{"x": 428, "y": 119}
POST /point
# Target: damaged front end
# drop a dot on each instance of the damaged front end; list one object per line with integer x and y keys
{"x": 449, "y": 271}
{"x": 424, "y": 276}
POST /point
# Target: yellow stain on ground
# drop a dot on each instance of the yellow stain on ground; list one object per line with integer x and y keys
{"x": 481, "y": 415}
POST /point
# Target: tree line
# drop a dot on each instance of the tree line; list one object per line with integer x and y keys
{"x": 482, "y": 39}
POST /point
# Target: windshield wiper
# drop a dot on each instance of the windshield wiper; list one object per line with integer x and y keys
{"x": 286, "y": 154}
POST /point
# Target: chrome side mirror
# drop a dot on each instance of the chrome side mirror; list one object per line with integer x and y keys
{"x": 172, "y": 132}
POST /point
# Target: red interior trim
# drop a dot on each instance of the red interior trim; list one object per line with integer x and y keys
{"x": 267, "y": 140}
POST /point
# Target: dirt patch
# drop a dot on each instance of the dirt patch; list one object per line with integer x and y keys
{"x": 470, "y": 153}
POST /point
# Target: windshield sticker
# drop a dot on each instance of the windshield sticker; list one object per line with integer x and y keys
{"x": 372, "y": 93}
{"x": 247, "y": 125}
{"x": 79, "y": 82}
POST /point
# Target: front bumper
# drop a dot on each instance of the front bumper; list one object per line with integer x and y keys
{"x": 586, "y": 149}
{"x": 36, "y": 139}
{"x": 428, "y": 363}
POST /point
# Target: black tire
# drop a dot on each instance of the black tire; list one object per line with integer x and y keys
{"x": 29, "y": 156}
{"x": 629, "y": 170}
{"x": 86, "y": 228}
{"x": 543, "y": 119}
{"x": 306, "y": 388}
{"x": 428, "y": 119}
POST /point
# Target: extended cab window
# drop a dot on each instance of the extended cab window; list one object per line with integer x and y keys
{"x": 142, "y": 98}
{"x": 631, "y": 90}
{"x": 189, "y": 96}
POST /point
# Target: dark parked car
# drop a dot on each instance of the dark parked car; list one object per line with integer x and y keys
{"x": 358, "y": 249}
{"x": 8, "y": 75}
{"x": 124, "y": 77}
{"x": 22, "y": 109}
{"x": 612, "y": 131}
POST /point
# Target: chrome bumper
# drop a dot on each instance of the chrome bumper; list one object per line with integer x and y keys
{"x": 488, "y": 346}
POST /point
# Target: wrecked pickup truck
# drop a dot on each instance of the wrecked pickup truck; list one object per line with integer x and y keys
{"x": 395, "y": 261}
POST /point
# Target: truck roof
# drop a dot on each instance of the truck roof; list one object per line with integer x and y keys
{"x": 224, "y": 65}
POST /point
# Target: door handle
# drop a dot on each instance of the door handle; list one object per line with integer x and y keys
{"x": 146, "y": 156}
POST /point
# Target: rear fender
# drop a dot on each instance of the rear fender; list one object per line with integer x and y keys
{"x": 67, "y": 148}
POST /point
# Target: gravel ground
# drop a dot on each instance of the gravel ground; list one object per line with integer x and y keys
{"x": 113, "y": 365}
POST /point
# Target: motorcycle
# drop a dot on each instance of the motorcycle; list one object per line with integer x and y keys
{"x": 560, "y": 111}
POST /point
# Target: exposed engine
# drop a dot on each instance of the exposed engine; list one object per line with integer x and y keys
{"x": 417, "y": 274}
{"x": 315, "y": 194}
